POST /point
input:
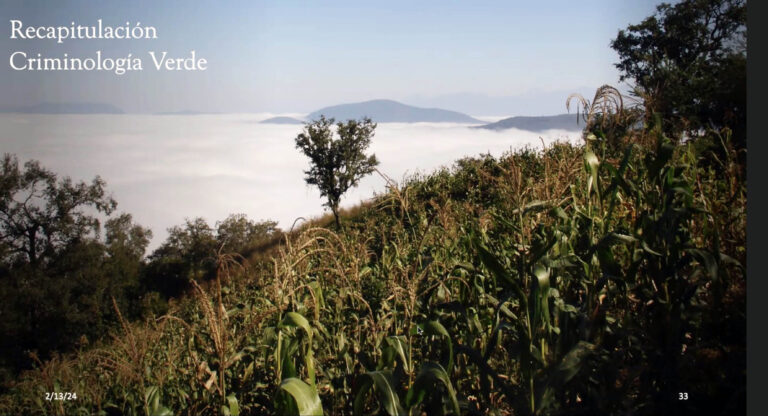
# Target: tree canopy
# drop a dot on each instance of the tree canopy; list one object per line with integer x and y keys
{"x": 40, "y": 213}
{"x": 688, "y": 63}
{"x": 237, "y": 233}
{"x": 57, "y": 275}
{"x": 337, "y": 164}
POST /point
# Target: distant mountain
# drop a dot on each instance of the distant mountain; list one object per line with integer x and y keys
{"x": 65, "y": 108}
{"x": 388, "y": 111}
{"x": 282, "y": 120}
{"x": 530, "y": 103}
{"x": 538, "y": 124}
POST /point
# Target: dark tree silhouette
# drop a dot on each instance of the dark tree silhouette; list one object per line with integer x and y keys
{"x": 41, "y": 214}
{"x": 688, "y": 63}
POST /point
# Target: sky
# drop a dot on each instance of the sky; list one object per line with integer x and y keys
{"x": 480, "y": 57}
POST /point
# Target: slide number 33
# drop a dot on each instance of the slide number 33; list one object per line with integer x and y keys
{"x": 682, "y": 396}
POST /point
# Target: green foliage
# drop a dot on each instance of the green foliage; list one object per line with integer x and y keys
{"x": 125, "y": 244}
{"x": 40, "y": 214}
{"x": 57, "y": 275}
{"x": 336, "y": 165}
{"x": 609, "y": 118}
{"x": 385, "y": 387}
{"x": 574, "y": 283}
{"x": 585, "y": 279}
{"x": 236, "y": 233}
{"x": 190, "y": 251}
{"x": 305, "y": 395}
{"x": 63, "y": 284}
{"x": 689, "y": 63}
{"x": 188, "y": 254}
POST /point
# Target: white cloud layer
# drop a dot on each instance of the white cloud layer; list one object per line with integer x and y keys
{"x": 162, "y": 169}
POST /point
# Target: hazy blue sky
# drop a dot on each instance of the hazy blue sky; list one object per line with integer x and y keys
{"x": 291, "y": 56}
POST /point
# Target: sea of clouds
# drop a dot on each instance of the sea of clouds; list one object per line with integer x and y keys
{"x": 163, "y": 169}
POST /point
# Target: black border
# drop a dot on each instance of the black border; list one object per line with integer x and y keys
{"x": 757, "y": 346}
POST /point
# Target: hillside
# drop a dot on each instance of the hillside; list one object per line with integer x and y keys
{"x": 388, "y": 111}
{"x": 282, "y": 120}
{"x": 542, "y": 281}
{"x": 538, "y": 124}
{"x": 533, "y": 102}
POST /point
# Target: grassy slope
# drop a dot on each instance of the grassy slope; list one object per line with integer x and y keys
{"x": 573, "y": 280}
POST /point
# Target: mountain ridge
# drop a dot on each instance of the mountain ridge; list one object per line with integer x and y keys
{"x": 537, "y": 123}
{"x": 390, "y": 111}
{"x": 281, "y": 120}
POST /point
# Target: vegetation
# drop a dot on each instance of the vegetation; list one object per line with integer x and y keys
{"x": 688, "y": 62}
{"x": 61, "y": 281}
{"x": 337, "y": 164}
{"x": 40, "y": 215}
{"x": 44, "y": 231}
{"x": 573, "y": 280}
{"x": 600, "y": 278}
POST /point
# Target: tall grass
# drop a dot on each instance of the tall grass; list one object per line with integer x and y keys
{"x": 594, "y": 279}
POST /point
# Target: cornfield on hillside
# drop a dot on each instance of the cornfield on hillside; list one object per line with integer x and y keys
{"x": 605, "y": 278}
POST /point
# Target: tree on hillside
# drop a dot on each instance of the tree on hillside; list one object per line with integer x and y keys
{"x": 236, "y": 233}
{"x": 189, "y": 253}
{"x": 57, "y": 276}
{"x": 40, "y": 214}
{"x": 688, "y": 63}
{"x": 125, "y": 244}
{"x": 337, "y": 164}
{"x": 126, "y": 238}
